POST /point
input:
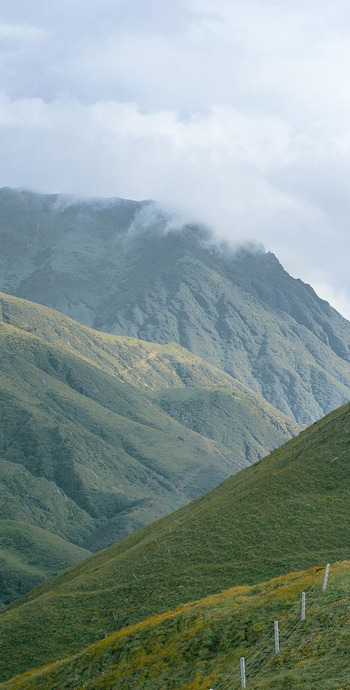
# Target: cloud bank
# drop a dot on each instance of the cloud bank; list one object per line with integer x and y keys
{"x": 238, "y": 116}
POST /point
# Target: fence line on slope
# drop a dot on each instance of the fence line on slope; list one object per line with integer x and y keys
{"x": 239, "y": 679}
{"x": 251, "y": 669}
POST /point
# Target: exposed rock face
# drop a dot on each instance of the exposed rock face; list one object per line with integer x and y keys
{"x": 110, "y": 265}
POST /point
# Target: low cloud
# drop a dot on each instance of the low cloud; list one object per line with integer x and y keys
{"x": 238, "y": 118}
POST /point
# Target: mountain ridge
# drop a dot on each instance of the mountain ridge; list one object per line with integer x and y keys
{"x": 237, "y": 310}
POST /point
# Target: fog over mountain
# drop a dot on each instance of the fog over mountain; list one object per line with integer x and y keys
{"x": 236, "y": 116}
{"x": 123, "y": 267}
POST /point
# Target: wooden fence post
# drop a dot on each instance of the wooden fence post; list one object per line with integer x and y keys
{"x": 277, "y": 638}
{"x": 325, "y": 578}
{"x": 242, "y": 672}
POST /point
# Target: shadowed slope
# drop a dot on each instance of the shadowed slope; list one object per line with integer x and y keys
{"x": 101, "y": 443}
{"x": 87, "y": 456}
{"x": 29, "y": 555}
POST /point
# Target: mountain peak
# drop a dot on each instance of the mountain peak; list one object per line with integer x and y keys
{"x": 124, "y": 267}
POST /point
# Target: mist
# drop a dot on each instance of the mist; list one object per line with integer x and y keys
{"x": 237, "y": 119}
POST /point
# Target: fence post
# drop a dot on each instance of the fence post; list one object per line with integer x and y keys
{"x": 277, "y": 638}
{"x": 243, "y": 672}
{"x": 325, "y": 578}
{"x": 303, "y": 606}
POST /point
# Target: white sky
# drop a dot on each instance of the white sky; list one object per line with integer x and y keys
{"x": 234, "y": 113}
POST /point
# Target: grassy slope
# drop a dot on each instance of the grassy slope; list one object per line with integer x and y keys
{"x": 86, "y": 456}
{"x": 39, "y": 501}
{"x": 235, "y": 417}
{"x": 29, "y": 555}
{"x": 259, "y": 427}
{"x": 98, "y": 440}
{"x": 142, "y": 364}
{"x": 212, "y": 402}
{"x": 287, "y": 512}
{"x": 199, "y": 645}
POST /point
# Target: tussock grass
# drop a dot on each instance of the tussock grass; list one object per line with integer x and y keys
{"x": 287, "y": 512}
{"x": 199, "y": 645}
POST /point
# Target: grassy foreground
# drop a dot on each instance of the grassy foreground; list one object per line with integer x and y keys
{"x": 198, "y": 645}
{"x": 287, "y": 512}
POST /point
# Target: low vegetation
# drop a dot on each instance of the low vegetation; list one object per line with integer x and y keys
{"x": 86, "y": 455}
{"x": 288, "y": 512}
{"x": 29, "y": 555}
{"x": 198, "y": 646}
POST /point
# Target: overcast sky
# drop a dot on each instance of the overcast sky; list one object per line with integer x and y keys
{"x": 232, "y": 112}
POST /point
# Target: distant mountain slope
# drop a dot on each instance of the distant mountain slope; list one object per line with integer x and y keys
{"x": 142, "y": 364}
{"x": 87, "y": 456}
{"x": 112, "y": 265}
{"x": 287, "y": 512}
{"x": 29, "y": 555}
{"x": 199, "y": 645}
{"x": 217, "y": 406}
{"x": 235, "y": 417}
{"x": 119, "y": 459}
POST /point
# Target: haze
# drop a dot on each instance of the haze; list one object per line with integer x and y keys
{"x": 235, "y": 114}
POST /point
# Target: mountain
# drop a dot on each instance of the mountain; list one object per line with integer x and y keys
{"x": 107, "y": 451}
{"x": 287, "y": 512}
{"x": 213, "y": 404}
{"x": 85, "y": 455}
{"x": 235, "y": 417}
{"x": 29, "y": 555}
{"x": 199, "y": 645}
{"x": 121, "y": 267}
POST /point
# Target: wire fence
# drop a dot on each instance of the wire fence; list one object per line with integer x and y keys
{"x": 263, "y": 654}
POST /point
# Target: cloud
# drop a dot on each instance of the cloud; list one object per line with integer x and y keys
{"x": 14, "y": 33}
{"x": 236, "y": 116}
{"x": 338, "y": 299}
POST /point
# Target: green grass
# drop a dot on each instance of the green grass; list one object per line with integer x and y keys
{"x": 199, "y": 645}
{"x": 104, "y": 446}
{"x": 29, "y": 555}
{"x": 235, "y": 417}
{"x": 83, "y": 453}
{"x": 287, "y": 512}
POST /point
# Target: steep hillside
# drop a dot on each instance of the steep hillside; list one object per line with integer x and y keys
{"x": 88, "y": 457}
{"x": 114, "y": 460}
{"x": 199, "y": 645}
{"x": 114, "y": 265}
{"x": 287, "y": 512}
{"x": 139, "y": 363}
{"x": 235, "y": 417}
{"x": 29, "y": 555}
{"x": 215, "y": 405}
